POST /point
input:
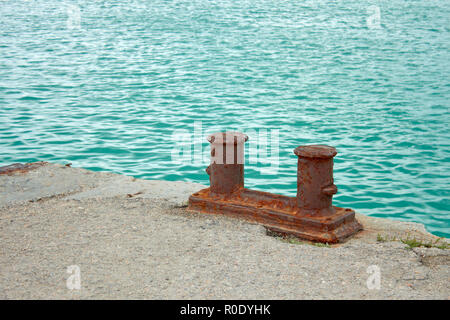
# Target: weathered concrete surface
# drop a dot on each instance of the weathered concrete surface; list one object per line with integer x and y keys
{"x": 133, "y": 239}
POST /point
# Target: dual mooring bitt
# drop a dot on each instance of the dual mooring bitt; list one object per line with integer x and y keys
{"x": 310, "y": 215}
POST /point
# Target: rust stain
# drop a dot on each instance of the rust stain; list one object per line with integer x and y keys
{"x": 310, "y": 215}
{"x": 130, "y": 195}
{"x": 20, "y": 167}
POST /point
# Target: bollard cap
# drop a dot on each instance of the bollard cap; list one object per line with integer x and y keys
{"x": 315, "y": 151}
{"x": 227, "y": 137}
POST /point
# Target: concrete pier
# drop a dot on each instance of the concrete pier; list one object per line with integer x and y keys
{"x": 134, "y": 239}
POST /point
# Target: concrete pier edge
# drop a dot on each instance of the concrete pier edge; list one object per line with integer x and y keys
{"x": 134, "y": 238}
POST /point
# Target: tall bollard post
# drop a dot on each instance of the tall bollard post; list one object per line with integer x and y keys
{"x": 226, "y": 170}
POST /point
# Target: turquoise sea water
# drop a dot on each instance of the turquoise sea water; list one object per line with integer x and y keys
{"x": 107, "y": 89}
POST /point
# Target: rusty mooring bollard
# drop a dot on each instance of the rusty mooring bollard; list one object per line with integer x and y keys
{"x": 310, "y": 215}
{"x": 315, "y": 187}
{"x": 226, "y": 171}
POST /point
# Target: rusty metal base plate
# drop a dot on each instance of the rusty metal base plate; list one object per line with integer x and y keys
{"x": 279, "y": 214}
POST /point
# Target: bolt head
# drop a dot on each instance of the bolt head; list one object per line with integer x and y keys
{"x": 227, "y": 137}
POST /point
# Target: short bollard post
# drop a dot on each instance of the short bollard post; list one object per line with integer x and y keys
{"x": 315, "y": 187}
{"x": 226, "y": 171}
